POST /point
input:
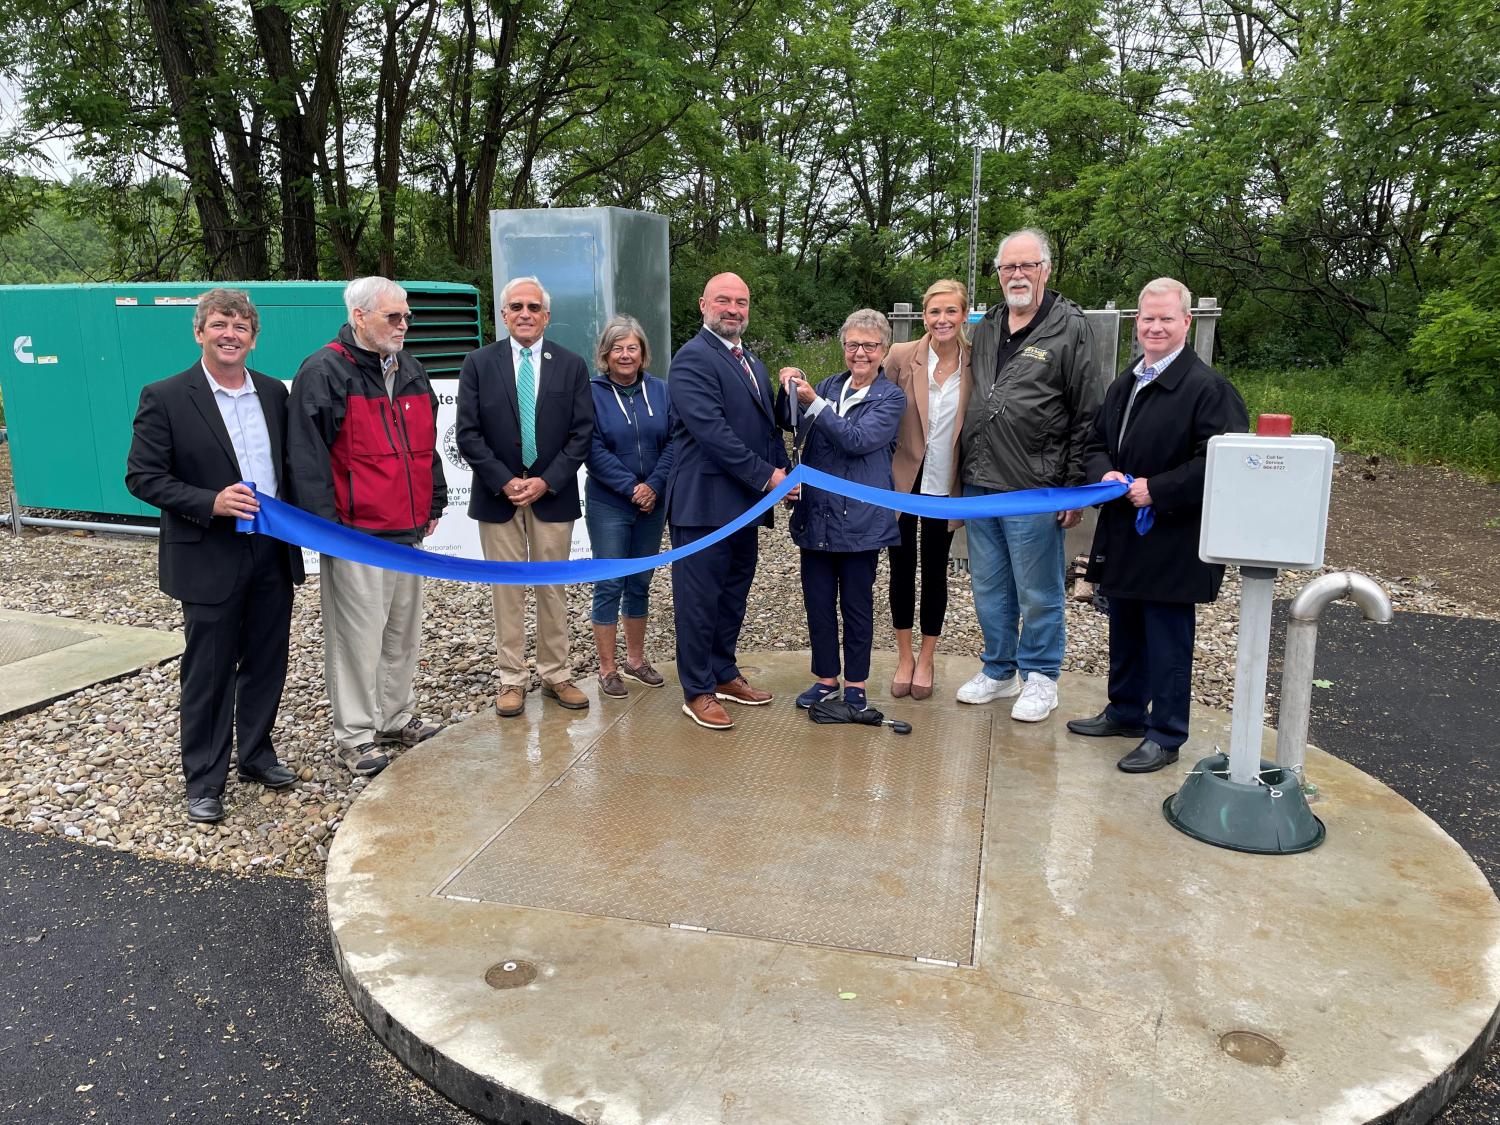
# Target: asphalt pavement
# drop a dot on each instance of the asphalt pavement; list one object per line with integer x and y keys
{"x": 136, "y": 991}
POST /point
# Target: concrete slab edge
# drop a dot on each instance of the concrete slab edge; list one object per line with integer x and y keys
{"x": 482, "y": 1096}
{"x": 1429, "y": 1101}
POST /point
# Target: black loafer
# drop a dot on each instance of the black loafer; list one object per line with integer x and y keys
{"x": 205, "y": 810}
{"x": 272, "y": 777}
{"x": 1148, "y": 757}
{"x": 1102, "y": 726}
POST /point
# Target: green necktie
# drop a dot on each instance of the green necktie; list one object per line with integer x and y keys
{"x": 526, "y": 400}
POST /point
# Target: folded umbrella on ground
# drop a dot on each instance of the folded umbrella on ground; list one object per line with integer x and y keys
{"x": 833, "y": 710}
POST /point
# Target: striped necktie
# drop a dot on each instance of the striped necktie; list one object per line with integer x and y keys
{"x": 526, "y": 402}
{"x": 1142, "y": 377}
{"x": 739, "y": 354}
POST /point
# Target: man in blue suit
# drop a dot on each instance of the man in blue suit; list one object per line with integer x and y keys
{"x": 525, "y": 419}
{"x": 729, "y": 454}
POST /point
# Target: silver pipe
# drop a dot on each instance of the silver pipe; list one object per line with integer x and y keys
{"x": 85, "y": 525}
{"x": 1302, "y": 644}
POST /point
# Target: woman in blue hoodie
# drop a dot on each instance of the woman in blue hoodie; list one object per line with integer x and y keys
{"x": 628, "y": 463}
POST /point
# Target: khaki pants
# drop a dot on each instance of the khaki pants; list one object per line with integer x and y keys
{"x": 372, "y": 636}
{"x": 528, "y": 539}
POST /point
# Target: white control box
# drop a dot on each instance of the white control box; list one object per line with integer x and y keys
{"x": 1265, "y": 501}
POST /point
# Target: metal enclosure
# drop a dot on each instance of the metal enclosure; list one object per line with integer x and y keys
{"x": 80, "y": 355}
{"x": 595, "y": 262}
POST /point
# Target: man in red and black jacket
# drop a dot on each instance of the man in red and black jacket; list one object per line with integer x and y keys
{"x": 362, "y": 446}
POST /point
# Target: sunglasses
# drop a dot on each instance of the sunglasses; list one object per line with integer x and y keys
{"x": 395, "y": 319}
{"x": 529, "y": 306}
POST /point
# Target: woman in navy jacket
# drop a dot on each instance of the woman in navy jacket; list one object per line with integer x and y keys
{"x": 628, "y": 463}
{"x": 846, "y": 427}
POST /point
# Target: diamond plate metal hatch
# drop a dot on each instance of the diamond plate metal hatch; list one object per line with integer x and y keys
{"x": 839, "y": 836}
{"x": 23, "y": 640}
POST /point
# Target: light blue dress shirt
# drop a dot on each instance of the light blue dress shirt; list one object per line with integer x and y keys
{"x": 246, "y": 423}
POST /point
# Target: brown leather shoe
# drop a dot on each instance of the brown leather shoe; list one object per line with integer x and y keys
{"x": 510, "y": 702}
{"x": 708, "y": 712}
{"x": 738, "y": 690}
{"x": 566, "y": 695}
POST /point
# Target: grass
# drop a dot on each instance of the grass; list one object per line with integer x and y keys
{"x": 1366, "y": 417}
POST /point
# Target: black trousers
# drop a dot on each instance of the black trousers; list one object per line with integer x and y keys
{"x": 233, "y": 669}
{"x": 836, "y": 583}
{"x": 936, "y": 541}
{"x": 709, "y": 593}
{"x": 1151, "y": 666}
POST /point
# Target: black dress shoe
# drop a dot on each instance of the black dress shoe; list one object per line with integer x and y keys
{"x": 1102, "y": 726}
{"x": 205, "y": 810}
{"x": 272, "y": 777}
{"x": 1148, "y": 757}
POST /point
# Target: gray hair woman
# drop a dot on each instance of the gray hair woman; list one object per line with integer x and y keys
{"x": 629, "y": 459}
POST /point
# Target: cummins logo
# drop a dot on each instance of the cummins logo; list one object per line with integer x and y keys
{"x": 22, "y": 348}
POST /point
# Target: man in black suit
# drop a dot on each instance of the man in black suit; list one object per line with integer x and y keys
{"x": 197, "y": 436}
{"x": 1154, "y": 425}
{"x": 525, "y": 420}
{"x": 729, "y": 454}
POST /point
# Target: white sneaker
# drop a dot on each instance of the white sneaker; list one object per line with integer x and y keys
{"x": 982, "y": 689}
{"x": 1038, "y": 699}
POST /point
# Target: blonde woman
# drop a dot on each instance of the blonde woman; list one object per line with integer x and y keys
{"x": 935, "y": 375}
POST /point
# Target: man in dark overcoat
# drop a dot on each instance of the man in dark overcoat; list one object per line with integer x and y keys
{"x": 1154, "y": 427}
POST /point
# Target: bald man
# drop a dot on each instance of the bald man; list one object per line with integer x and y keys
{"x": 729, "y": 454}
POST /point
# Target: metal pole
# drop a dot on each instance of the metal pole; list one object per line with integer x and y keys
{"x": 1203, "y": 328}
{"x": 15, "y": 514}
{"x": 1301, "y": 646}
{"x": 901, "y": 323}
{"x": 974, "y": 225}
{"x": 1247, "y": 720}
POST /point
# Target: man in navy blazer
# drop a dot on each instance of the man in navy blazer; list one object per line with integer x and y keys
{"x": 729, "y": 454}
{"x": 197, "y": 435}
{"x": 525, "y": 492}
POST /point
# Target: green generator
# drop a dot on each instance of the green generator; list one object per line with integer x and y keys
{"x": 80, "y": 355}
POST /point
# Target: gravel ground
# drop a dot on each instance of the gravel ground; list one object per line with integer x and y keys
{"x": 102, "y": 765}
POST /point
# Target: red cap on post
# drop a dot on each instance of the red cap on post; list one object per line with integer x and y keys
{"x": 1274, "y": 425}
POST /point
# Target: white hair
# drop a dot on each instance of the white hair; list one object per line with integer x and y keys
{"x": 1164, "y": 286}
{"x": 1028, "y": 232}
{"x": 364, "y": 293}
{"x": 513, "y": 282}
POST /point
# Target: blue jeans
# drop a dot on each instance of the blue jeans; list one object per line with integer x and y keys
{"x": 622, "y": 533}
{"x": 1016, "y": 566}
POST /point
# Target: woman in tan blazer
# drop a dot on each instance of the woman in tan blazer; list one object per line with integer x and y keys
{"x": 935, "y": 375}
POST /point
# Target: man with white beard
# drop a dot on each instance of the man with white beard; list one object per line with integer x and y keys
{"x": 1028, "y": 418}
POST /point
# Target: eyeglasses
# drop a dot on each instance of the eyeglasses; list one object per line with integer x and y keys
{"x": 862, "y": 346}
{"x": 395, "y": 319}
{"x": 625, "y": 349}
{"x": 529, "y": 306}
{"x": 1021, "y": 267}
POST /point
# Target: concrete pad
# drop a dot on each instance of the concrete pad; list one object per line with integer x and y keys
{"x": 1120, "y": 970}
{"x": 43, "y": 657}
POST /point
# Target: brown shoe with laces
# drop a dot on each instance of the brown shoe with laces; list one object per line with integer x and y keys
{"x": 566, "y": 695}
{"x": 708, "y": 712}
{"x": 738, "y": 690}
{"x": 611, "y": 684}
{"x": 510, "y": 702}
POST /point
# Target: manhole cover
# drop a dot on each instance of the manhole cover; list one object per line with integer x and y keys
{"x": 1251, "y": 1047}
{"x": 510, "y": 974}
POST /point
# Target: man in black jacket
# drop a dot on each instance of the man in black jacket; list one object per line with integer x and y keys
{"x": 525, "y": 420}
{"x": 197, "y": 436}
{"x": 362, "y": 442}
{"x": 1154, "y": 425}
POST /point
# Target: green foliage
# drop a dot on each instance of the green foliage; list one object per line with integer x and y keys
{"x": 1456, "y": 349}
{"x": 1358, "y": 408}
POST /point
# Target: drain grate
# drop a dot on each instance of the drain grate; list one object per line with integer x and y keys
{"x": 837, "y": 836}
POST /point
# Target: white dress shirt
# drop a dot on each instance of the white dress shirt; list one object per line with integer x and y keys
{"x": 942, "y": 416}
{"x": 246, "y": 423}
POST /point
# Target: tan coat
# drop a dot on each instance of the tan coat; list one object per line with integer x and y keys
{"x": 906, "y": 366}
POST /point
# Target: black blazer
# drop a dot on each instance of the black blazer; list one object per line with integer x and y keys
{"x": 1167, "y": 443}
{"x": 180, "y": 459}
{"x": 489, "y": 430}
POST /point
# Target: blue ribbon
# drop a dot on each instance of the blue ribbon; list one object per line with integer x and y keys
{"x": 303, "y": 529}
